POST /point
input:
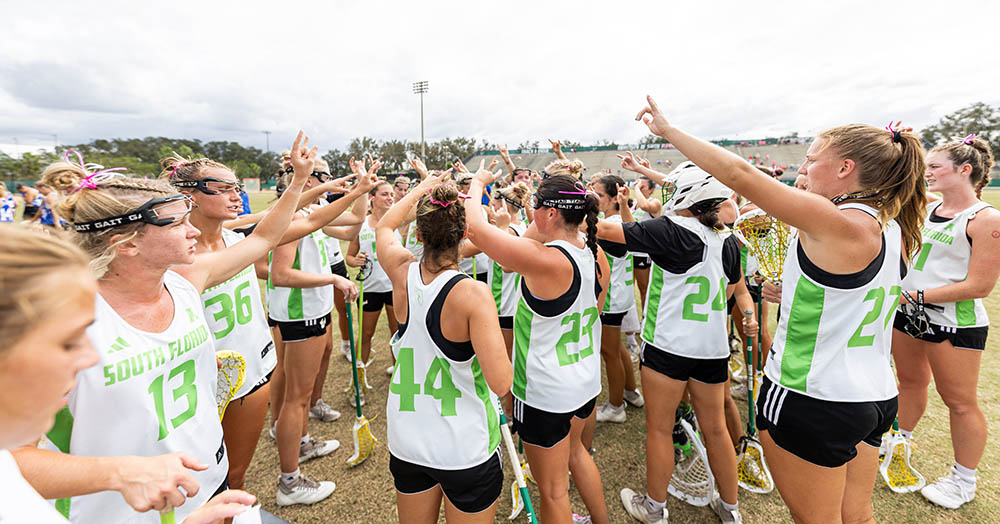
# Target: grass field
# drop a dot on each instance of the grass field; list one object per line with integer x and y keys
{"x": 366, "y": 493}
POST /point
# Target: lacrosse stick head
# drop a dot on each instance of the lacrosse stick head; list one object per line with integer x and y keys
{"x": 895, "y": 467}
{"x": 364, "y": 441}
{"x": 767, "y": 239}
{"x": 516, "y": 501}
{"x": 737, "y": 369}
{"x": 751, "y": 470}
{"x": 692, "y": 480}
{"x": 232, "y": 374}
{"x": 366, "y": 270}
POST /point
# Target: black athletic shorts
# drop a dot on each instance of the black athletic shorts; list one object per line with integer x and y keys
{"x": 965, "y": 338}
{"x": 271, "y": 322}
{"x": 641, "y": 262}
{"x": 299, "y": 330}
{"x": 263, "y": 382}
{"x": 339, "y": 269}
{"x": 375, "y": 301}
{"x": 613, "y": 319}
{"x": 507, "y": 322}
{"x": 29, "y": 211}
{"x": 481, "y": 277}
{"x": 543, "y": 428}
{"x": 704, "y": 370}
{"x": 470, "y": 490}
{"x": 821, "y": 432}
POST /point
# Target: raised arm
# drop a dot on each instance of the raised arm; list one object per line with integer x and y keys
{"x": 307, "y": 197}
{"x": 639, "y": 166}
{"x": 810, "y": 213}
{"x": 532, "y": 259}
{"x": 215, "y": 267}
{"x": 505, "y": 155}
{"x": 557, "y": 149}
{"x": 487, "y": 341}
{"x": 326, "y": 214}
{"x": 393, "y": 257}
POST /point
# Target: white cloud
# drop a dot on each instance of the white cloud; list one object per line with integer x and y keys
{"x": 511, "y": 72}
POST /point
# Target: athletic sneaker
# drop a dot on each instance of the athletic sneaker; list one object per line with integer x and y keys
{"x": 950, "y": 492}
{"x": 303, "y": 490}
{"x": 581, "y": 519}
{"x": 354, "y": 403}
{"x": 635, "y": 504}
{"x": 389, "y": 370}
{"x": 608, "y": 413}
{"x": 322, "y": 411}
{"x": 634, "y": 398}
{"x": 345, "y": 348}
{"x": 633, "y": 349}
{"x": 317, "y": 448}
{"x": 727, "y": 517}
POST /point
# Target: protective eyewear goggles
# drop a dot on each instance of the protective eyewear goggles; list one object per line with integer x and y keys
{"x": 210, "y": 185}
{"x": 322, "y": 176}
{"x": 160, "y": 211}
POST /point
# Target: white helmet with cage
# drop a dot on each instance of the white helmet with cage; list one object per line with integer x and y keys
{"x": 694, "y": 185}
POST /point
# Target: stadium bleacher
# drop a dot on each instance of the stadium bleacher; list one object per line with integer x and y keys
{"x": 604, "y": 158}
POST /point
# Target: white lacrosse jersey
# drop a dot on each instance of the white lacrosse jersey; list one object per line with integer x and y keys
{"x": 440, "y": 411}
{"x": 557, "y": 363}
{"x": 833, "y": 339}
{"x": 236, "y": 318}
{"x": 148, "y": 395}
{"x": 503, "y": 285}
{"x": 639, "y": 215}
{"x": 621, "y": 288}
{"x": 415, "y": 246}
{"x": 686, "y": 312}
{"x": 944, "y": 259}
{"x": 286, "y": 304}
{"x": 7, "y": 207}
{"x": 333, "y": 253}
{"x": 19, "y": 502}
{"x": 376, "y": 281}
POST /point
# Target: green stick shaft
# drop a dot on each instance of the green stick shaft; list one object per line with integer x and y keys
{"x": 354, "y": 356}
{"x": 515, "y": 464}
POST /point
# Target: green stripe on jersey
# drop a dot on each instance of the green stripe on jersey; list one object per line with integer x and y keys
{"x": 497, "y": 285}
{"x": 483, "y": 392}
{"x": 653, "y": 304}
{"x": 611, "y": 271}
{"x": 295, "y": 296}
{"x": 743, "y": 260}
{"x": 801, "y": 333}
{"x": 60, "y": 435}
{"x": 522, "y": 337}
{"x": 965, "y": 313}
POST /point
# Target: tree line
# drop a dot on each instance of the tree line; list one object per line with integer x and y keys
{"x": 141, "y": 156}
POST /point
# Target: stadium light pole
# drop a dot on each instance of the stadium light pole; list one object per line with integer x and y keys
{"x": 420, "y": 88}
{"x": 267, "y": 141}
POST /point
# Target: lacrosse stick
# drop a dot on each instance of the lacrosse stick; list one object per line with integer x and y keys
{"x": 751, "y": 469}
{"x": 232, "y": 374}
{"x": 767, "y": 238}
{"x": 363, "y": 274}
{"x": 519, "y": 489}
{"x": 692, "y": 480}
{"x": 895, "y": 467}
{"x": 364, "y": 441}
{"x": 736, "y": 369}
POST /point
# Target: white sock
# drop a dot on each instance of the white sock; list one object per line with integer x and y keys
{"x": 305, "y": 439}
{"x": 730, "y": 507}
{"x": 907, "y": 434}
{"x": 288, "y": 478}
{"x": 964, "y": 473}
{"x": 654, "y": 505}
{"x": 617, "y": 408}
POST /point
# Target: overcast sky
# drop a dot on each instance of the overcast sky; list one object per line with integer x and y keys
{"x": 505, "y": 72}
